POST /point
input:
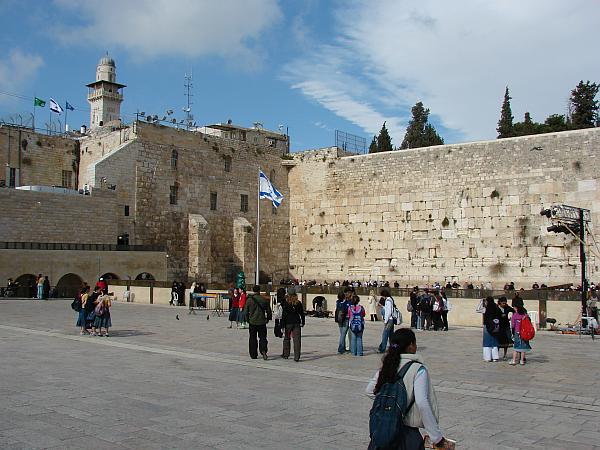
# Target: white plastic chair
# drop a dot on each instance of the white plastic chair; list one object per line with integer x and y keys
{"x": 535, "y": 319}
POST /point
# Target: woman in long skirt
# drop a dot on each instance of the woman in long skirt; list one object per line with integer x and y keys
{"x": 505, "y": 337}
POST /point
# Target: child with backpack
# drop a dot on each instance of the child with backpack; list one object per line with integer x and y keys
{"x": 102, "y": 316}
{"x": 518, "y": 324}
{"x": 356, "y": 317}
{"x": 404, "y": 399}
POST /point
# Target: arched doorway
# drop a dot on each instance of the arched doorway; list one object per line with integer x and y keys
{"x": 145, "y": 276}
{"x": 26, "y": 285}
{"x": 110, "y": 276}
{"x": 68, "y": 285}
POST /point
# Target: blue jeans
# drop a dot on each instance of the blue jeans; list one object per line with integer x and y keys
{"x": 40, "y": 292}
{"x": 356, "y": 346}
{"x": 387, "y": 330}
{"x": 343, "y": 332}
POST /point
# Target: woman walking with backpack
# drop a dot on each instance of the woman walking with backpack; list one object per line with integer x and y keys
{"x": 522, "y": 346}
{"x": 292, "y": 321}
{"x": 102, "y": 319}
{"x": 421, "y": 409}
{"x": 356, "y": 317}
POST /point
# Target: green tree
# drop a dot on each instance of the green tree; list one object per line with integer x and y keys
{"x": 505, "y": 124}
{"x": 419, "y": 132}
{"x": 384, "y": 141}
{"x": 373, "y": 145}
{"x": 527, "y": 127}
{"x": 584, "y": 107}
{"x": 554, "y": 123}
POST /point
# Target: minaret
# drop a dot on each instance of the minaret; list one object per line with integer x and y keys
{"x": 105, "y": 95}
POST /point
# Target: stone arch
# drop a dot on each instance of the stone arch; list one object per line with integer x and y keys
{"x": 68, "y": 285}
{"x": 145, "y": 276}
{"x": 27, "y": 285}
{"x": 110, "y": 276}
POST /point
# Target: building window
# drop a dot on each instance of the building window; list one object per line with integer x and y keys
{"x": 12, "y": 177}
{"x": 173, "y": 195}
{"x": 244, "y": 203}
{"x": 174, "y": 156}
{"x": 126, "y": 210}
{"x": 213, "y": 201}
{"x": 67, "y": 179}
{"x": 227, "y": 163}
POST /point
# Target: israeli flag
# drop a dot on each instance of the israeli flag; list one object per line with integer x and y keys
{"x": 268, "y": 191}
{"x": 55, "y": 107}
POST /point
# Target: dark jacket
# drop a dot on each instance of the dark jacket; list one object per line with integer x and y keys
{"x": 292, "y": 314}
{"x": 89, "y": 304}
{"x": 492, "y": 313}
{"x": 257, "y": 310}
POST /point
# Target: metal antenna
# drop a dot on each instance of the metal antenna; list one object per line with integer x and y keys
{"x": 188, "y": 93}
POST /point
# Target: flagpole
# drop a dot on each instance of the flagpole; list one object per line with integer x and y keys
{"x": 66, "y": 112}
{"x": 257, "y": 225}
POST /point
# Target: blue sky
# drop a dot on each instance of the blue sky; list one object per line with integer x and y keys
{"x": 312, "y": 66}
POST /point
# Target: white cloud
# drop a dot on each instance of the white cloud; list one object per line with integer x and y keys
{"x": 17, "y": 69}
{"x": 455, "y": 57}
{"x": 192, "y": 28}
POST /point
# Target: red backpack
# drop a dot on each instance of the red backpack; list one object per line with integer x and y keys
{"x": 527, "y": 332}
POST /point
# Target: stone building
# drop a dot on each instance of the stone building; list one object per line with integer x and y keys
{"x": 28, "y": 158}
{"x": 452, "y": 212}
{"x": 196, "y": 193}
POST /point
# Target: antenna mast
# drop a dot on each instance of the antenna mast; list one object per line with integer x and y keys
{"x": 188, "y": 94}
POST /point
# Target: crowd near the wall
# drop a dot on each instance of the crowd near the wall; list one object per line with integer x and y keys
{"x": 93, "y": 309}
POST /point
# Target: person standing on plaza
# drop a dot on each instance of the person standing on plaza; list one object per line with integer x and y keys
{"x": 445, "y": 309}
{"x": 46, "y": 288}
{"x": 423, "y": 409}
{"x": 388, "y": 320}
{"x": 491, "y": 328}
{"x": 356, "y": 321}
{"x": 89, "y": 308}
{"x": 40, "y": 287}
{"x": 235, "y": 308}
{"x": 241, "y": 315}
{"x": 592, "y": 305}
{"x": 413, "y": 302}
{"x": 258, "y": 312}
{"x": 522, "y": 347}
{"x": 84, "y": 294}
{"x": 426, "y": 309}
{"x": 436, "y": 311}
{"x": 505, "y": 337}
{"x": 292, "y": 321}
{"x": 342, "y": 304}
{"x": 102, "y": 316}
{"x": 373, "y": 302}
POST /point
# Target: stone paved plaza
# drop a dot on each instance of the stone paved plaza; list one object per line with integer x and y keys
{"x": 158, "y": 382}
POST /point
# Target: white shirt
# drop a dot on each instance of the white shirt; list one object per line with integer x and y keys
{"x": 387, "y": 310}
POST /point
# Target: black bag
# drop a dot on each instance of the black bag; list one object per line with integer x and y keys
{"x": 76, "y": 305}
{"x": 277, "y": 329}
{"x": 341, "y": 311}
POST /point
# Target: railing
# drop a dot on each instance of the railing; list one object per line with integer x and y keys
{"x": 76, "y": 246}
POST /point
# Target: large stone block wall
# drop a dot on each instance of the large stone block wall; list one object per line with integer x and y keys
{"x": 31, "y": 216}
{"x": 464, "y": 211}
{"x": 40, "y": 159}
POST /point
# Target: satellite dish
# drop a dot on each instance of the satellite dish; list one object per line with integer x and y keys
{"x": 164, "y": 118}
{"x": 181, "y": 121}
{"x": 174, "y": 120}
{"x": 149, "y": 118}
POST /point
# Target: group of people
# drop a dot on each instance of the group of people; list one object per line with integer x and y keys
{"x": 501, "y": 331}
{"x": 237, "y": 297}
{"x": 289, "y": 319}
{"x": 428, "y": 309}
{"x": 93, "y": 309}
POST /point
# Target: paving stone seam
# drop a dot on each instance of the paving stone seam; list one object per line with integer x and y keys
{"x": 226, "y": 359}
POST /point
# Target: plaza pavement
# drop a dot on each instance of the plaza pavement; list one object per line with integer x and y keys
{"x": 161, "y": 383}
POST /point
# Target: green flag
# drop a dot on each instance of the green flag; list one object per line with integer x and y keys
{"x": 39, "y": 102}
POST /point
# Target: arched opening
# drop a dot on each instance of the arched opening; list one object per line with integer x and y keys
{"x": 69, "y": 285}
{"x": 26, "y": 285}
{"x": 109, "y": 276}
{"x": 145, "y": 276}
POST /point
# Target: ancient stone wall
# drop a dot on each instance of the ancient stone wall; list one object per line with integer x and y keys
{"x": 39, "y": 159}
{"x": 464, "y": 211}
{"x": 30, "y": 216}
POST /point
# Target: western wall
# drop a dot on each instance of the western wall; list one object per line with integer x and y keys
{"x": 466, "y": 212}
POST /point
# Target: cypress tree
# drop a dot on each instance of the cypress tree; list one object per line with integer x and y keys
{"x": 505, "y": 124}
{"x": 384, "y": 141}
{"x": 373, "y": 145}
{"x": 419, "y": 132}
{"x": 584, "y": 107}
